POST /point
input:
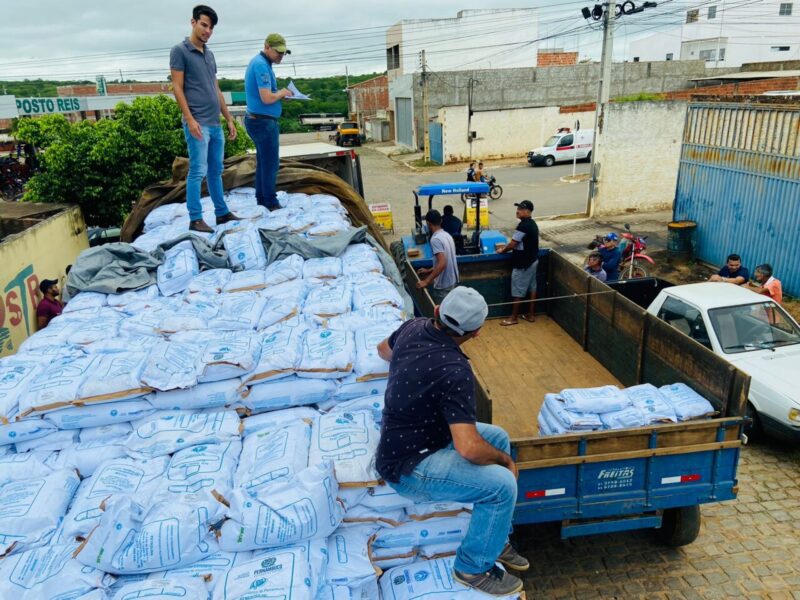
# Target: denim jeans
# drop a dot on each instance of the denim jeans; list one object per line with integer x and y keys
{"x": 205, "y": 160}
{"x": 265, "y": 134}
{"x": 446, "y": 475}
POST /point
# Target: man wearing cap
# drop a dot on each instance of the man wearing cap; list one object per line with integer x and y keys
{"x": 49, "y": 306}
{"x": 612, "y": 256}
{"x": 524, "y": 248}
{"x": 194, "y": 81}
{"x": 433, "y": 449}
{"x": 263, "y": 115}
{"x": 443, "y": 276}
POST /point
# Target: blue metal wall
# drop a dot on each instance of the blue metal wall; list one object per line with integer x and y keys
{"x": 437, "y": 147}
{"x": 739, "y": 179}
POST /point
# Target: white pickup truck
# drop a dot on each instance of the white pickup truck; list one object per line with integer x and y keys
{"x": 751, "y": 332}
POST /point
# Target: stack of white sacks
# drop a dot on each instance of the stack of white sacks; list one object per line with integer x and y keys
{"x": 608, "y": 407}
{"x": 213, "y": 436}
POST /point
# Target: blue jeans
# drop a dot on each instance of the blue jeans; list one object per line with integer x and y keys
{"x": 205, "y": 160}
{"x": 265, "y": 134}
{"x": 446, "y": 475}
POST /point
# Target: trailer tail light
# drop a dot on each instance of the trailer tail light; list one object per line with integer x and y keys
{"x": 681, "y": 479}
{"x": 531, "y": 494}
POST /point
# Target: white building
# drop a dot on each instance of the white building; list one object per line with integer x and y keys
{"x": 474, "y": 39}
{"x": 728, "y": 34}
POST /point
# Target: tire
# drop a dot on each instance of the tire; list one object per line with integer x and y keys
{"x": 639, "y": 271}
{"x": 496, "y": 192}
{"x": 679, "y": 526}
{"x": 549, "y": 161}
{"x": 753, "y": 431}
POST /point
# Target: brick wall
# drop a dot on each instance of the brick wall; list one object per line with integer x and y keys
{"x": 115, "y": 89}
{"x": 574, "y": 108}
{"x": 556, "y": 59}
{"x": 371, "y": 95}
{"x": 743, "y": 88}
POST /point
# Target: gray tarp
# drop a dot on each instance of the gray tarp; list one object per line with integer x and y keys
{"x": 116, "y": 268}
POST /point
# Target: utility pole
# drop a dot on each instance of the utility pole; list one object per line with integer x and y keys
{"x": 470, "y": 89}
{"x": 426, "y": 133}
{"x": 603, "y": 94}
{"x": 609, "y": 12}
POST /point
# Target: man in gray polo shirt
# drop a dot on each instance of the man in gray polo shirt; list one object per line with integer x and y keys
{"x": 194, "y": 79}
{"x": 444, "y": 273}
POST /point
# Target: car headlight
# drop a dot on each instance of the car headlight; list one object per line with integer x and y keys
{"x": 794, "y": 415}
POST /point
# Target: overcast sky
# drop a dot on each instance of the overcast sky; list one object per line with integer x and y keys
{"x": 63, "y": 39}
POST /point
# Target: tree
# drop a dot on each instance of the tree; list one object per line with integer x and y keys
{"x": 104, "y": 166}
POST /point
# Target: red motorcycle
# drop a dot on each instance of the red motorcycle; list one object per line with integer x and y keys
{"x": 634, "y": 264}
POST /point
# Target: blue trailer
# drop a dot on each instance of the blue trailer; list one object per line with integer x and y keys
{"x": 588, "y": 334}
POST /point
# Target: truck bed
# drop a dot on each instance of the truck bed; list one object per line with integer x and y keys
{"x": 518, "y": 365}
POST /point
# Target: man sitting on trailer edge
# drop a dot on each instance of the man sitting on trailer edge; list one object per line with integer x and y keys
{"x": 433, "y": 449}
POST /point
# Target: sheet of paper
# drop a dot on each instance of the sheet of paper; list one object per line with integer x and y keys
{"x": 297, "y": 94}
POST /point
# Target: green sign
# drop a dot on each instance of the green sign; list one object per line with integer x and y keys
{"x": 47, "y": 106}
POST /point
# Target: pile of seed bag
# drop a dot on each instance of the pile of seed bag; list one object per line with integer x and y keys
{"x": 212, "y": 435}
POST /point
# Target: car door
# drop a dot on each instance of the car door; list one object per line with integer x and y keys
{"x": 565, "y": 149}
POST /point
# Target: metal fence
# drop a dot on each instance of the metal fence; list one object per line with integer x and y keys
{"x": 739, "y": 179}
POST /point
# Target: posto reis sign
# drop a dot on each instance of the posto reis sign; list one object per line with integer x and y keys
{"x": 46, "y": 106}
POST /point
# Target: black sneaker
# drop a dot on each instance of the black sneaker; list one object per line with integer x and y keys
{"x": 513, "y": 560}
{"x": 495, "y": 582}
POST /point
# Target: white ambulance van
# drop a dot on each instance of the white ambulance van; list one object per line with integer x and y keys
{"x": 562, "y": 146}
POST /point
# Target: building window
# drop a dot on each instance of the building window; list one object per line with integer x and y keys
{"x": 722, "y": 53}
{"x": 692, "y": 16}
{"x": 393, "y": 57}
{"x": 708, "y": 54}
{"x": 635, "y": 59}
{"x": 712, "y": 12}
{"x": 670, "y": 56}
{"x": 780, "y": 48}
{"x": 786, "y": 9}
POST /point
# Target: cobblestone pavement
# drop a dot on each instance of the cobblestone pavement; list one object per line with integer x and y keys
{"x": 747, "y": 548}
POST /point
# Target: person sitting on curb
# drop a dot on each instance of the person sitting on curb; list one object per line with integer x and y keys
{"x": 594, "y": 266}
{"x": 732, "y": 272}
{"x": 767, "y": 284}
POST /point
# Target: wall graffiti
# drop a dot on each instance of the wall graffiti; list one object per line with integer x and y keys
{"x": 18, "y": 305}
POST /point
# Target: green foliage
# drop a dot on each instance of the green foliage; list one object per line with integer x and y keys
{"x": 641, "y": 97}
{"x": 104, "y": 166}
{"x": 43, "y": 131}
{"x": 36, "y": 88}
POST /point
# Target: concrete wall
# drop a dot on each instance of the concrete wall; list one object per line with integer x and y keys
{"x": 502, "y": 89}
{"x": 42, "y": 251}
{"x": 637, "y": 156}
{"x": 502, "y": 133}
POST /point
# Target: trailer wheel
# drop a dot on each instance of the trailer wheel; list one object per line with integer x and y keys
{"x": 679, "y": 526}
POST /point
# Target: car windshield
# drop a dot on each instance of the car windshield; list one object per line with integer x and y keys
{"x": 763, "y": 326}
{"x": 552, "y": 141}
{"x": 349, "y": 126}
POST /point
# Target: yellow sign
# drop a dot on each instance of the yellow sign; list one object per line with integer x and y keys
{"x": 484, "y": 213}
{"x": 382, "y": 213}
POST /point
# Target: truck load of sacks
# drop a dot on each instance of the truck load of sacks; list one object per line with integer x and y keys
{"x": 608, "y": 407}
{"x": 213, "y": 436}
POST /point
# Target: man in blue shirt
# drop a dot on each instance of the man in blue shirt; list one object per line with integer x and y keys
{"x": 433, "y": 449}
{"x": 263, "y": 115}
{"x": 194, "y": 81}
{"x": 612, "y": 256}
{"x": 450, "y": 222}
{"x": 732, "y": 272}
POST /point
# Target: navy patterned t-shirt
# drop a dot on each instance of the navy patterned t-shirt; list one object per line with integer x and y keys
{"x": 431, "y": 386}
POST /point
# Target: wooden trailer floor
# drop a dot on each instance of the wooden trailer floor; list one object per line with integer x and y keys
{"x": 519, "y": 364}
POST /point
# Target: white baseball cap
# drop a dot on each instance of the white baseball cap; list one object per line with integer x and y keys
{"x": 463, "y": 310}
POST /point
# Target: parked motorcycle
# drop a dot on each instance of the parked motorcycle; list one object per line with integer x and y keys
{"x": 635, "y": 262}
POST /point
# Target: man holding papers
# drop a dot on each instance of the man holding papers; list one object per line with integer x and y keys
{"x": 263, "y": 115}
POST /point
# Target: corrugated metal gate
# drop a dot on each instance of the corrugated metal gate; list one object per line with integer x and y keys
{"x": 437, "y": 148}
{"x": 405, "y": 127}
{"x": 739, "y": 179}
